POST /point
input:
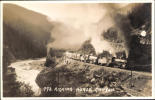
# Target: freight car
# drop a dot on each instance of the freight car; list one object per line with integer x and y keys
{"x": 102, "y": 61}
{"x": 92, "y": 59}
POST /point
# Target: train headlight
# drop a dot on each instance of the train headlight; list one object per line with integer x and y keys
{"x": 143, "y": 33}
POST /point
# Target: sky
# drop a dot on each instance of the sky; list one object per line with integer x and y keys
{"x": 68, "y": 11}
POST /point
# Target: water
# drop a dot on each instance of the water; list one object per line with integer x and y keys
{"x": 27, "y": 72}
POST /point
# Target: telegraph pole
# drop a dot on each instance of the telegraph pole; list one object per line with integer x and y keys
{"x": 131, "y": 81}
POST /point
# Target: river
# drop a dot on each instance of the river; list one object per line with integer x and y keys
{"x": 27, "y": 71}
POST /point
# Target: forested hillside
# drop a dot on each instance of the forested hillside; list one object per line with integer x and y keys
{"x": 25, "y": 33}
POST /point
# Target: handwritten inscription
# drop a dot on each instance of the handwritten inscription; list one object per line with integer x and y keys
{"x": 70, "y": 89}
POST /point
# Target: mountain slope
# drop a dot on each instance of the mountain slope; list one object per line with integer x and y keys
{"x": 25, "y": 33}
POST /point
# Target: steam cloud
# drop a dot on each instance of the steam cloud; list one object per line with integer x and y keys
{"x": 76, "y": 23}
{"x": 81, "y": 22}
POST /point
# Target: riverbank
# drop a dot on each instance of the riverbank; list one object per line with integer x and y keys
{"x": 27, "y": 71}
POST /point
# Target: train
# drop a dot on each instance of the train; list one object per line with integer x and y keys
{"x": 139, "y": 56}
{"x": 97, "y": 60}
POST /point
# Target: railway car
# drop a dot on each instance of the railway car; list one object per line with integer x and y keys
{"x": 92, "y": 59}
{"x": 102, "y": 61}
{"x": 68, "y": 55}
{"x": 78, "y": 56}
{"x": 107, "y": 61}
{"x": 82, "y": 58}
{"x": 73, "y": 56}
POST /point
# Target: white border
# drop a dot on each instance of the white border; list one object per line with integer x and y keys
{"x": 95, "y": 1}
{"x": 1, "y": 53}
{"x": 153, "y": 69}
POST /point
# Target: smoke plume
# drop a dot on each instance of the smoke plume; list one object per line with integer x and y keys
{"x": 81, "y": 22}
{"x": 75, "y": 23}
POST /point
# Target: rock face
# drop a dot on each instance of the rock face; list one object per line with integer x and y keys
{"x": 140, "y": 53}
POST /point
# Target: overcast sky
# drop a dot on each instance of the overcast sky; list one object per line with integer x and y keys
{"x": 67, "y": 11}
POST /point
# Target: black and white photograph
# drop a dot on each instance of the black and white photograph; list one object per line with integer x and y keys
{"x": 77, "y": 49}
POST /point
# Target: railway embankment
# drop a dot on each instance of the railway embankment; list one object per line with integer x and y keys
{"x": 83, "y": 79}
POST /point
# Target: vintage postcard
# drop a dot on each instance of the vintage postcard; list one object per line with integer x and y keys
{"x": 78, "y": 49}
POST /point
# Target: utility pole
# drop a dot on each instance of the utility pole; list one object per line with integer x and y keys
{"x": 131, "y": 81}
{"x": 58, "y": 79}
